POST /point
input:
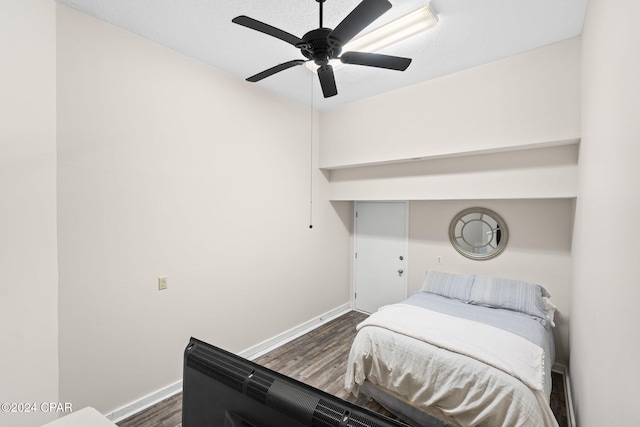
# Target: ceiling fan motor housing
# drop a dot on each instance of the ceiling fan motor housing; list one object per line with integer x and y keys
{"x": 318, "y": 47}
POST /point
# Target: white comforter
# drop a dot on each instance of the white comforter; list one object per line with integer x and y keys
{"x": 464, "y": 372}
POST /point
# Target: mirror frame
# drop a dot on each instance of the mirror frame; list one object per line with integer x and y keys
{"x": 504, "y": 233}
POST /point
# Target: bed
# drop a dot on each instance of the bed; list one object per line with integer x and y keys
{"x": 468, "y": 350}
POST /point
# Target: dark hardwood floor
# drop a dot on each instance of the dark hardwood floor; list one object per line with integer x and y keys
{"x": 318, "y": 359}
{"x": 167, "y": 413}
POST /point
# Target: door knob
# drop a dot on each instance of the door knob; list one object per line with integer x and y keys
{"x": 400, "y": 272}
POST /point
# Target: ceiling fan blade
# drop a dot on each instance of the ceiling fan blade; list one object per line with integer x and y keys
{"x": 359, "y": 18}
{"x": 271, "y": 71}
{"x": 327, "y": 81}
{"x": 376, "y": 60}
{"x": 267, "y": 29}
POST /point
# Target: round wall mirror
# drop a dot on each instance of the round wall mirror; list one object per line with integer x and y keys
{"x": 478, "y": 233}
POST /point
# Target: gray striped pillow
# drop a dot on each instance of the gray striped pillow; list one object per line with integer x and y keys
{"x": 449, "y": 285}
{"x": 511, "y": 294}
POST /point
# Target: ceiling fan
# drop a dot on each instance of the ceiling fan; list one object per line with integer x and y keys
{"x": 324, "y": 44}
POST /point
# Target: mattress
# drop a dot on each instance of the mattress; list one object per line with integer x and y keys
{"x": 406, "y": 373}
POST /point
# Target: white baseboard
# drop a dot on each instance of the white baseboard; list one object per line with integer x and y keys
{"x": 250, "y": 353}
{"x": 143, "y": 403}
{"x": 293, "y": 333}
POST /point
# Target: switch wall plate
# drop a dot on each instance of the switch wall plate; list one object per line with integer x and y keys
{"x": 162, "y": 283}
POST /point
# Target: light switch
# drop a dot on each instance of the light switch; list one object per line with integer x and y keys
{"x": 162, "y": 283}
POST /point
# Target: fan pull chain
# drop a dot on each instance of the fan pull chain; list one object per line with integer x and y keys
{"x": 311, "y": 154}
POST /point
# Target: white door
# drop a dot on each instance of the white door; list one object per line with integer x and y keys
{"x": 381, "y": 254}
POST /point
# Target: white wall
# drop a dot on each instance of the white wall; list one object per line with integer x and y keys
{"x": 605, "y": 294}
{"x": 502, "y": 135}
{"x": 133, "y": 123}
{"x": 538, "y": 250}
{"x": 525, "y": 99}
{"x": 28, "y": 252}
{"x": 168, "y": 167}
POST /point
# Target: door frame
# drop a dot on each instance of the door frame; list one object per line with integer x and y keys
{"x": 354, "y": 289}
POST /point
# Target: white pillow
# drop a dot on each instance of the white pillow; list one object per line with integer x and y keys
{"x": 551, "y": 309}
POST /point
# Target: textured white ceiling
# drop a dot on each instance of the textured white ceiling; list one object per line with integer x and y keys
{"x": 469, "y": 33}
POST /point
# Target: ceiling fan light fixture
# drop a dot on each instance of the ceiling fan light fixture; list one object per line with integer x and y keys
{"x": 409, "y": 25}
{"x": 402, "y": 28}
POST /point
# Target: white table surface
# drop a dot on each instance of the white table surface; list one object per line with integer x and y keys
{"x": 86, "y": 417}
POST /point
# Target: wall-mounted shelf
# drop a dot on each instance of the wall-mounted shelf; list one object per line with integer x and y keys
{"x": 541, "y": 170}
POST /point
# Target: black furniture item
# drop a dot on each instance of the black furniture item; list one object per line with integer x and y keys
{"x": 221, "y": 389}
